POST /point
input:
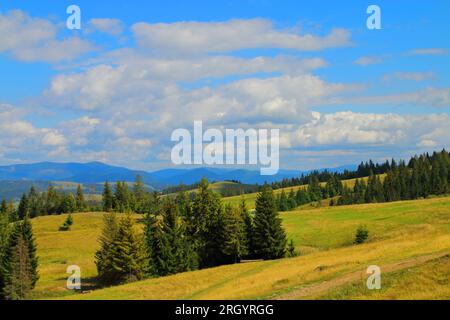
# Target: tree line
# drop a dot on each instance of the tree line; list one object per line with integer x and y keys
{"x": 421, "y": 177}
{"x": 183, "y": 234}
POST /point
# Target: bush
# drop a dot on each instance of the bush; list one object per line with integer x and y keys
{"x": 362, "y": 234}
{"x": 291, "y": 252}
{"x": 67, "y": 224}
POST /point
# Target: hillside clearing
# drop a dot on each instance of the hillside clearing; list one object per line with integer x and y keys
{"x": 399, "y": 231}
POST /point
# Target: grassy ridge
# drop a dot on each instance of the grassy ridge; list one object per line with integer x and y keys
{"x": 398, "y": 231}
{"x": 250, "y": 198}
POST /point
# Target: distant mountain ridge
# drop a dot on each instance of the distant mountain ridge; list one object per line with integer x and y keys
{"x": 98, "y": 172}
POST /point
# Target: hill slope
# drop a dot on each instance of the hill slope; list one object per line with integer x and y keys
{"x": 412, "y": 235}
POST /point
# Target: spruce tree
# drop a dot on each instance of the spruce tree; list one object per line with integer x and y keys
{"x": 23, "y": 208}
{"x": 207, "y": 224}
{"x": 129, "y": 259}
{"x": 79, "y": 199}
{"x": 103, "y": 257}
{"x": 269, "y": 235}
{"x": 248, "y": 226}
{"x": 138, "y": 195}
{"x": 283, "y": 202}
{"x": 234, "y": 237}
{"x": 19, "y": 264}
{"x": 107, "y": 198}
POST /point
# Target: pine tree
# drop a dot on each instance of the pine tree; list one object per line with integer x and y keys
{"x": 292, "y": 201}
{"x": 129, "y": 259}
{"x": 207, "y": 223}
{"x": 68, "y": 205}
{"x": 283, "y": 202}
{"x": 314, "y": 190}
{"x": 107, "y": 198}
{"x": 52, "y": 201}
{"x": 19, "y": 264}
{"x": 302, "y": 197}
{"x": 35, "y": 204}
{"x": 23, "y": 208}
{"x": 249, "y": 229}
{"x": 269, "y": 236}
{"x": 234, "y": 237}
{"x": 103, "y": 257}
{"x": 121, "y": 197}
{"x": 170, "y": 248}
{"x": 139, "y": 195}
{"x": 79, "y": 200}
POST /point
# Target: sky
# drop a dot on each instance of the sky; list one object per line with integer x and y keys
{"x": 115, "y": 90}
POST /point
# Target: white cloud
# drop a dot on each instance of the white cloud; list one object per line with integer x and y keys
{"x": 109, "y": 26}
{"x": 428, "y": 51}
{"x": 374, "y": 130}
{"x": 33, "y": 39}
{"x": 365, "y": 61}
{"x": 410, "y": 76}
{"x": 203, "y": 37}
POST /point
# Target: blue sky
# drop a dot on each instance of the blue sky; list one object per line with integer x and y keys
{"x": 116, "y": 89}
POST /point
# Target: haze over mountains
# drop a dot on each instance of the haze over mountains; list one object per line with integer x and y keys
{"x": 97, "y": 172}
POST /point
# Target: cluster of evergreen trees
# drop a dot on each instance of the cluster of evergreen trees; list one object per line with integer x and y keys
{"x": 18, "y": 261}
{"x": 423, "y": 176}
{"x": 35, "y": 204}
{"x": 183, "y": 234}
{"x": 125, "y": 199}
{"x": 313, "y": 192}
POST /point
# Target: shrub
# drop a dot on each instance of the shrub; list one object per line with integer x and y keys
{"x": 67, "y": 224}
{"x": 362, "y": 234}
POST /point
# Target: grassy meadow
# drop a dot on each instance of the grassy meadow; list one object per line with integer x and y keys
{"x": 409, "y": 240}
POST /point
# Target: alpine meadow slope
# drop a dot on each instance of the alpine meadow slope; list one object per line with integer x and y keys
{"x": 407, "y": 236}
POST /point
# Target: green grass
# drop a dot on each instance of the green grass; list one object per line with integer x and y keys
{"x": 324, "y": 236}
{"x": 428, "y": 281}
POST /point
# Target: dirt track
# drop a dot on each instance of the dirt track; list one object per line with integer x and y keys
{"x": 323, "y": 287}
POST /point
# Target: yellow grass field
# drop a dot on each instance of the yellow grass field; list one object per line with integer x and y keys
{"x": 407, "y": 240}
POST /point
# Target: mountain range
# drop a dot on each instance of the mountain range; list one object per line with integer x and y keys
{"x": 97, "y": 172}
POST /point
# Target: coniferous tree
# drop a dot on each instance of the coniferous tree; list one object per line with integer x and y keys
{"x": 302, "y": 197}
{"x": 314, "y": 190}
{"x": 170, "y": 248}
{"x": 19, "y": 264}
{"x": 52, "y": 201}
{"x": 79, "y": 199}
{"x": 269, "y": 236}
{"x": 23, "y": 208}
{"x": 139, "y": 195}
{"x": 35, "y": 203}
{"x": 283, "y": 202}
{"x": 107, "y": 198}
{"x": 292, "y": 201}
{"x": 207, "y": 223}
{"x": 68, "y": 204}
{"x": 129, "y": 258}
{"x": 103, "y": 257}
{"x": 249, "y": 228}
{"x": 234, "y": 237}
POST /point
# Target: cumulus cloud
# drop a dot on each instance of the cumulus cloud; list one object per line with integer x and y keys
{"x": 374, "y": 130}
{"x": 109, "y": 26}
{"x": 410, "y": 76}
{"x": 428, "y": 51}
{"x": 232, "y": 35}
{"x": 33, "y": 39}
{"x": 365, "y": 61}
